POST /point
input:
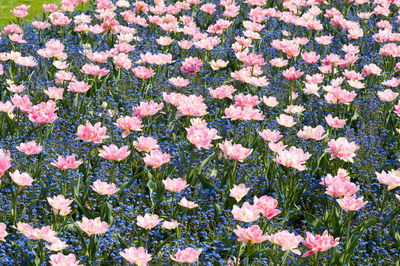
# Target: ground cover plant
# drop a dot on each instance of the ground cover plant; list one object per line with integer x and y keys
{"x": 210, "y": 132}
{"x": 35, "y": 8}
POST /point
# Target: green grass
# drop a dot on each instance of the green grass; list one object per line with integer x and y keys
{"x": 7, "y": 5}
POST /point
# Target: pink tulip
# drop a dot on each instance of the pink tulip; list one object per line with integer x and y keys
{"x": 146, "y": 144}
{"x": 187, "y": 204}
{"x": 148, "y": 221}
{"x": 294, "y": 157}
{"x": 319, "y": 242}
{"x": 288, "y": 241}
{"x": 234, "y": 151}
{"x": 137, "y": 256}
{"x": 187, "y": 255}
{"x": 3, "y": 232}
{"x": 247, "y": 213}
{"x": 175, "y": 185}
{"x": 93, "y": 226}
{"x": 113, "y": 153}
{"x": 60, "y": 205}
{"x": 129, "y": 123}
{"x": 271, "y": 136}
{"x": 351, "y": 203}
{"x": 267, "y": 206}
{"x": 43, "y": 113}
{"x": 252, "y": 235}
{"x": 60, "y": 259}
{"x": 342, "y": 149}
{"x": 104, "y": 188}
{"x": 67, "y": 163}
{"x": 21, "y": 179}
{"x": 239, "y": 191}
{"x": 5, "y": 161}
{"x": 89, "y": 133}
{"x": 391, "y": 179}
{"x": 156, "y": 158}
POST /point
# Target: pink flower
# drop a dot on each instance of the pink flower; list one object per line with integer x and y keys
{"x": 146, "y": 144}
{"x": 319, "y": 243}
{"x": 156, "y": 158}
{"x": 60, "y": 205}
{"x": 54, "y": 93}
{"x": 89, "y": 133}
{"x": 387, "y": 95}
{"x": 201, "y": 137}
{"x": 391, "y": 179}
{"x": 49, "y": 7}
{"x": 215, "y": 65}
{"x": 93, "y": 226}
{"x": 342, "y": 149}
{"x": 351, "y": 203}
{"x": 276, "y": 147}
{"x": 267, "y": 206}
{"x": 60, "y": 259}
{"x": 3, "y": 232}
{"x": 148, "y": 221}
{"x": 187, "y": 204}
{"x": 113, "y": 153}
{"x": 278, "y": 62}
{"x": 271, "y": 136}
{"x": 170, "y": 225}
{"x": 224, "y": 91}
{"x": 310, "y": 57}
{"x": 340, "y": 185}
{"x": 247, "y": 213}
{"x": 67, "y": 163}
{"x": 187, "y": 255}
{"x": 246, "y": 100}
{"x": 25, "y": 229}
{"x": 164, "y": 40}
{"x": 246, "y": 113}
{"x": 292, "y": 73}
{"x": 285, "y": 120}
{"x": 104, "y": 188}
{"x": 137, "y": 256}
{"x": 175, "y": 185}
{"x": 337, "y": 95}
{"x": 22, "y": 103}
{"x": 335, "y": 122}
{"x": 57, "y": 245}
{"x": 21, "y": 179}
{"x": 122, "y": 61}
{"x": 191, "y": 65}
{"x": 288, "y": 241}
{"x": 234, "y": 151}
{"x": 20, "y": 11}
{"x": 30, "y": 148}
{"x": 129, "y": 123}
{"x": 43, "y": 113}
{"x": 179, "y": 82}
{"x": 143, "y": 72}
{"x": 78, "y": 86}
{"x": 147, "y": 109}
{"x": 312, "y": 133}
{"x": 252, "y": 235}
{"x": 94, "y": 70}
{"x": 294, "y": 157}
{"x": 270, "y": 101}
{"x": 239, "y": 191}
{"x": 371, "y": 69}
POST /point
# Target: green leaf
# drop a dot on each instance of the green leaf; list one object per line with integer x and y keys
{"x": 163, "y": 243}
{"x": 122, "y": 242}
